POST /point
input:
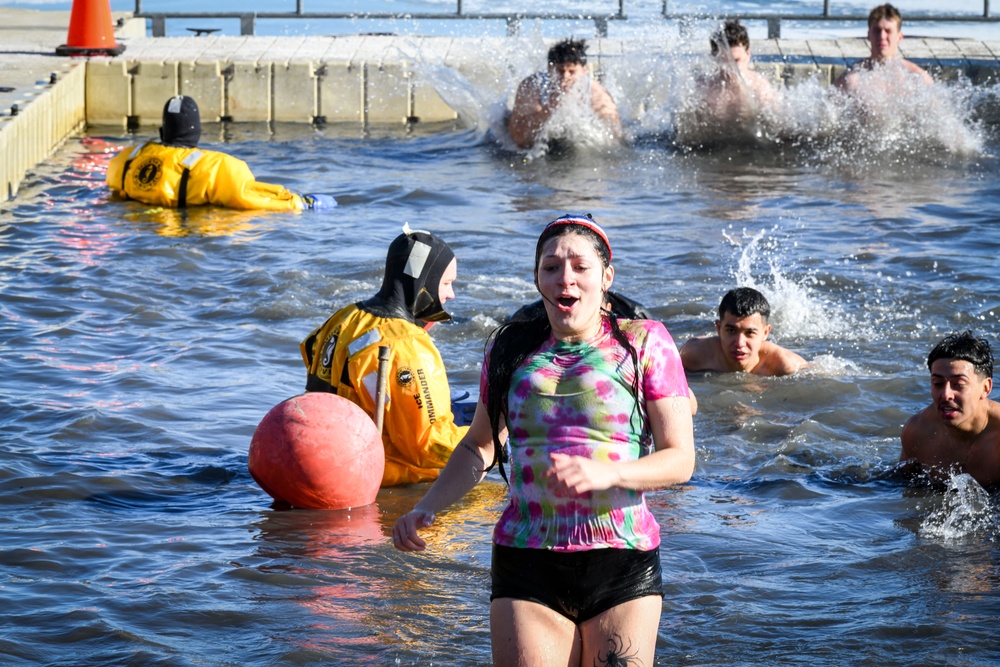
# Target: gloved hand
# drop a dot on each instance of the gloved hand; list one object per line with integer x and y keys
{"x": 319, "y": 201}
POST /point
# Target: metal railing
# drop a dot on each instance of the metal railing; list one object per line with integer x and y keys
{"x": 248, "y": 20}
{"x": 774, "y": 20}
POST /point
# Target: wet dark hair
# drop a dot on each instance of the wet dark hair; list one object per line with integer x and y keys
{"x": 510, "y": 345}
{"x": 744, "y": 302}
{"x": 885, "y": 11}
{"x": 733, "y": 32}
{"x": 966, "y": 347}
{"x": 569, "y": 51}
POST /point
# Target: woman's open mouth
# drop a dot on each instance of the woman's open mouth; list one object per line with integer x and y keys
{"x": 567, "y": 301}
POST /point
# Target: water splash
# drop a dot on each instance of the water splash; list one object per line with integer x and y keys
{"x": 827, "y": 365}
{"x": 966, "y": 509}
{"x": 665, "y": 94}
{"x": 661, "y": 94}
{"x": 476, "y": 106}
{"x": 797, "y": 311}
{"x": 903, "y": 121}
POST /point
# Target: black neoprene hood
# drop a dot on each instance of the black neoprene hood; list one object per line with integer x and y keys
{"x": 181, "y": 122}
{"x": 414, "y": 266}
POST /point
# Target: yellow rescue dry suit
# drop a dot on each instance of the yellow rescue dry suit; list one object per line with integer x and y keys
{"x": 177, "y": 177}
{"x": 419, "y": 430}
{"x": 341, "y": 356}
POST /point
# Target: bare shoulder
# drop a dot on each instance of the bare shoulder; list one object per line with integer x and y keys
{"x": 847, "y": 83}
{"x": 700, "y": 343}
{"x": 848, "y": 78}
{"x": 597, "y": 88}
{"x": 530, "y": 86}
{"x": 776, "y": 360}
{"x": 914, "y": 68}
{"x": 698, "y": 354}
{"x": 910, "y": 440}
{"x": 600, "y": 95}
{"x": 761, "y": 82}
{"x": 994, "y": 413}
{"x": 536, "y": 80}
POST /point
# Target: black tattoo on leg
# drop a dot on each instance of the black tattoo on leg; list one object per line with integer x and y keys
{"x": 618, "y": 654}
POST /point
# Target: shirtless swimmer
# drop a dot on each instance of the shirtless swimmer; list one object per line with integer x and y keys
{"x": 741, "y": 342}
{"x": 959, "y": 432}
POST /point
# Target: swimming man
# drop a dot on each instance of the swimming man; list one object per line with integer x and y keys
{"x": 735, "y": 92}
{"x": 741, "y": 343}
{"x": 959, "y": 432}
{"x": 885, "y": 32}
{"x": 541, "y": 94}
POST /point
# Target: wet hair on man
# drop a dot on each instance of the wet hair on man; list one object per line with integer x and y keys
{"x": 965, "y": 347}
{"x": 731, "y": 33}
{"x": 744, "y": 302}
{"x": 568, "y": 51}
{"x": 883, "y": 12}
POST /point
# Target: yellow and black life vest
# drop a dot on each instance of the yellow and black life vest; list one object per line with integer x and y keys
{"x": 177, "y": 177}
{"x": 419, "y": 433}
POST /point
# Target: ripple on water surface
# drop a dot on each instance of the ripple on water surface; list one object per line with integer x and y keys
{"x": 141, "y": 347}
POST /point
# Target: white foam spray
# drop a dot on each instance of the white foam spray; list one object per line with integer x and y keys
{"x": 966, "y": 509}
{"x": 659, "y": 85}
{"x": 797, "y": 311}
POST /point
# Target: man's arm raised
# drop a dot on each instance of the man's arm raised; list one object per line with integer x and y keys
{"x": 529, "y": 113}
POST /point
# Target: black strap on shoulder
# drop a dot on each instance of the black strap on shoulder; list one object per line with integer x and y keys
{"x": 128, "y": 163}
{"x": 345, "y": 375}
{"x": 313, "y": 383}
{"x": 182, "y": 189}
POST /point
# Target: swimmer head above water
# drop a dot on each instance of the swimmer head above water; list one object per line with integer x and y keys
{"x": 567, "y": 62}
{"x": 885, "y": 32}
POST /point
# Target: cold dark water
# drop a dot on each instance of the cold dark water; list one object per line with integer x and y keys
{"x": 141, "y": 347}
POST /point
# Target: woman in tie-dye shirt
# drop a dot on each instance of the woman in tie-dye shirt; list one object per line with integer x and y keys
{"x": 597, "y": 411}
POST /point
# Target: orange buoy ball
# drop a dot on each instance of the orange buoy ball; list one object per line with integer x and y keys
{"x": 318, "y": 451}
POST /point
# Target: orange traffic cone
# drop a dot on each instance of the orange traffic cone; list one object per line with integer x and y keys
{"x": 91, "y": 30}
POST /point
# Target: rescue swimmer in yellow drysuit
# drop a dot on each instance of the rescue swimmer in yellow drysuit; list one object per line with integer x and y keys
{"x": 341, "y": 356}
{"x": 176, "y": 173}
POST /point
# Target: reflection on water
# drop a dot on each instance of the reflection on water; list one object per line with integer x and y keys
{"x": 203, "y": 221}
{"x": 141, "y": 347}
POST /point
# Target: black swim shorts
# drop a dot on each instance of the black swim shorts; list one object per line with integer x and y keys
{"x": 579, "y": 584}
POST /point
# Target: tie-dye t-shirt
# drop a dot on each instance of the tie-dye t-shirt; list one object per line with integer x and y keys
{"x": 576, "y": 398}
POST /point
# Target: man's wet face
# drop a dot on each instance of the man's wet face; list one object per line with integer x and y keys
{"x": 567, "y": 74}
{"x": 742, "y": 338}
{"x": 957, "y": 391}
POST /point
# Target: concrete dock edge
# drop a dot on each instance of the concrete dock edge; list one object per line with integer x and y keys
{"x": 42, "y": 123}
